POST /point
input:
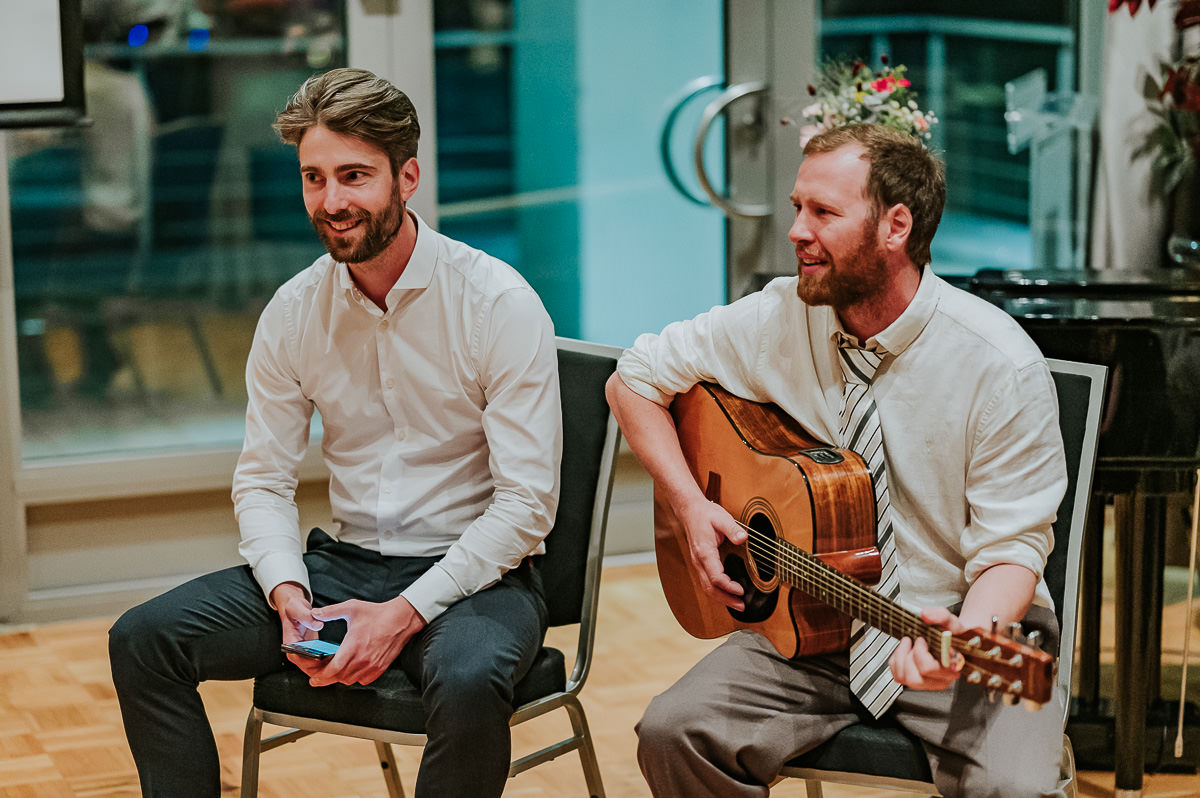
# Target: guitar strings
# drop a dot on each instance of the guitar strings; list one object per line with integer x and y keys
{"x": 827, "y": 584}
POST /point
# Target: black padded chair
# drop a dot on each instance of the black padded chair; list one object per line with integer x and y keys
{"x": 389, "y": 710}
{"x": 883, "y": 755}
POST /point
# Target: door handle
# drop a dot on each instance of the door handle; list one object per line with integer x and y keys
{"x": 714, "y": 109}
{"x": 691, "y": 90}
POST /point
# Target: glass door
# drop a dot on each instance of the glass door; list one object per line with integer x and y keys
{"x": 552, "y": 118}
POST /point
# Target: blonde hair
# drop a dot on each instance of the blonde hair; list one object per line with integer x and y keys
{"x": 902, "y": 172}
{"x": 357, "y": 103}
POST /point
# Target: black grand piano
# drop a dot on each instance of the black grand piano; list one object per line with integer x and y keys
{"x": 1146, "y": 330}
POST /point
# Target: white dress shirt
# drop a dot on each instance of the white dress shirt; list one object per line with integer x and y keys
{"x": 967, "y": 407}
{"x": 441, "y": 416}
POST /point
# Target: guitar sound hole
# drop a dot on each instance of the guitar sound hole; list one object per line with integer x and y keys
{"x": 759, "y": 605}
{"x": 762, "y": 545}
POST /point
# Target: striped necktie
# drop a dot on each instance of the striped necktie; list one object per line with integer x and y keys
{"x": 870, "y": 648}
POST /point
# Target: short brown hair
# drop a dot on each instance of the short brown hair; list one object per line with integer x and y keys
{"x": 902, "y": 172}
{"x": 353, "y": 102}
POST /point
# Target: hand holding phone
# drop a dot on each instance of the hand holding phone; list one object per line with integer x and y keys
{"x": 313, "y": 649}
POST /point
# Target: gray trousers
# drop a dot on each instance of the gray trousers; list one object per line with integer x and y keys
{"x": 219, "y": 626}
{"x": 730, "y": 724}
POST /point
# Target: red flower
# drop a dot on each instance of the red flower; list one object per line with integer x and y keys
{"x": 1181, "y": 87}
{"x": 1134, "y": 5}
{"x": 889, "y": 83}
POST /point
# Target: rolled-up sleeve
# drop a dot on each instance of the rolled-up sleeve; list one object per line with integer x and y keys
{"x": 723, "y": 345}
{"x": 1017, "y": 475}
{"x": 522, "y": 421}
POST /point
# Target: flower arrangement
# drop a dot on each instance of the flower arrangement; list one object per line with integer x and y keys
{"x": 849, "y": 92}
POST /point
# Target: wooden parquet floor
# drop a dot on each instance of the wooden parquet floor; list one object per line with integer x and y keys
{"x": 61, "y": 737}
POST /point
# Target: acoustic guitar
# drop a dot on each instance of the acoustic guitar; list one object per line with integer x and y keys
{"x": 810, "y": 556}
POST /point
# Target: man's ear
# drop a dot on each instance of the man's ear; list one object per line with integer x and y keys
{"x": 896, "y": 226}
{"x": 409, "y": 178}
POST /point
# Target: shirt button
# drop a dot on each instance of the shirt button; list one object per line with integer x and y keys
{"x": 383, "y": 324}
{"x": 391, "y": 383}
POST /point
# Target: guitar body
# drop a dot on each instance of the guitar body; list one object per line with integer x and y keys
{"x": 769, "y": 474}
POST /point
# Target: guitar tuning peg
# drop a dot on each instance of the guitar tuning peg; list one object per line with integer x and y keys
{"x": 1012, "y": 699}
{"x": 995, "y": 623}
{"x": 1034, "y": 640}
{"x": 1014, "y": 630}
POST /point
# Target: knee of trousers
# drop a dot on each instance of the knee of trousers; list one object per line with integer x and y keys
{"x": 668, "y": 724}
{"x": 139, "y": 643}
{"x": 464, "y": 691}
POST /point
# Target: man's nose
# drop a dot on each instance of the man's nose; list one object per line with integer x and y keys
{"x": 334, "y": 198}
{"x": 799, "y": 233}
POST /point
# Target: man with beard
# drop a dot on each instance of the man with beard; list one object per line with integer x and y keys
{"x": 974, "y": 475}
{"x": 434, "y": 369}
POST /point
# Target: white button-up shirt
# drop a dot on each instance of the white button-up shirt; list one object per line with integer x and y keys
{"x": 441, "y": 417}
{"x": 967, "y": 407}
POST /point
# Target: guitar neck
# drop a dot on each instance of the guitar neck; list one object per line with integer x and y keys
{"x": 806, "y": 572}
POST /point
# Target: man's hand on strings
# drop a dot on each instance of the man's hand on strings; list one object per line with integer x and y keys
{"x": 707, "y": 525}
{"x": 913, "y": 665}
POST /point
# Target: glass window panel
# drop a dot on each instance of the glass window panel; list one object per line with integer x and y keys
{"x": 549, "y": 117}
{"x": 146, "y": 243}
{"x": 959, "y": 56}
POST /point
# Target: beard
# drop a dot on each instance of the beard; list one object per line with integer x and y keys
{"x": 379, "y": 230}
{"x": 847, "y": 281}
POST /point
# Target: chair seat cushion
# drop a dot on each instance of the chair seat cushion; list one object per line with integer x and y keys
{"x": 877, "y": 749}
{"x": 391, "y": 701}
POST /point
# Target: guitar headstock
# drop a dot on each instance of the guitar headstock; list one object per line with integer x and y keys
{"x": 1007, "y": 667}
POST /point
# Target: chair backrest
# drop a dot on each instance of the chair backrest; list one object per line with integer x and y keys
{"x": 185, "y": 166}
{"x": 1080, "y": 388}
{"x": 570, "y": 568}
{"x": 588, "y": 438}
{"x": 46, "y": 201}
{"x": 276, "y": 202}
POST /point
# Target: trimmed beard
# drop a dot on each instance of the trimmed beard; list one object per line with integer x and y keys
{"x": 849, "y": 281}
{"x": 378, "y": 234}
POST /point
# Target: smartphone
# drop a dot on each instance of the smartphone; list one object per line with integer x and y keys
{"x": 313, "y": 649}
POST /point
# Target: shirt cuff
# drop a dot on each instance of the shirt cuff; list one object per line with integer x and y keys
{"x": 275, "y": 569}
{"x": 433, "y": 593}
{"x": 637, "y": 376}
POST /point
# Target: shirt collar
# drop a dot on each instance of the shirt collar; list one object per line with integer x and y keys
{"x": 900, "y": 334}
{"x": 419, "y": 271}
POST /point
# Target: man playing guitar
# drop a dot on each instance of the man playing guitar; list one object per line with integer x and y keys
{"x": 974, "y": 467}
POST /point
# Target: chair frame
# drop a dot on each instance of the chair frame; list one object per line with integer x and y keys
{"x": 580, "y": 739}
{"x": 814, "y": 778}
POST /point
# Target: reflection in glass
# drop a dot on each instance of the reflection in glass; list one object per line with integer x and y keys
{"x": 146, "y": 243}
{"x": 959, "y": 57}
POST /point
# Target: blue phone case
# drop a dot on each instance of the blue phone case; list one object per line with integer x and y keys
{"x": 312, "y": 648}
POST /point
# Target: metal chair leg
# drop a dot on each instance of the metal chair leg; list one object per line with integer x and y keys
{"x": 251, "y": 743}
{"x": 587, "y": 752}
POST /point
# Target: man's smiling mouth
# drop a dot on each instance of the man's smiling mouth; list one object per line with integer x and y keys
{"x": 342, "y": 227}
